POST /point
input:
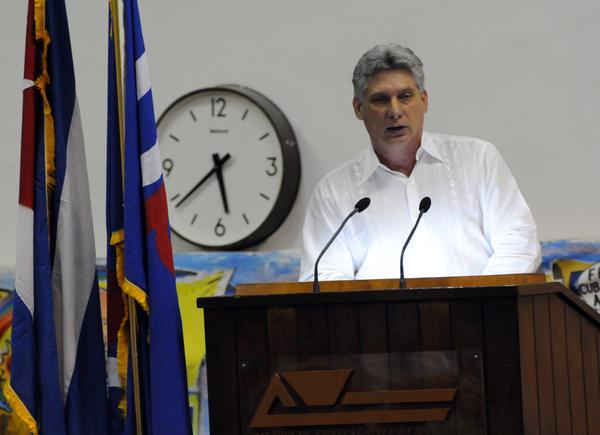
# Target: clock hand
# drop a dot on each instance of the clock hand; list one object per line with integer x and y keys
{"x": 219, "y": 162}
{"x": 187, "y": 195}
{"x": 218, "y": 168}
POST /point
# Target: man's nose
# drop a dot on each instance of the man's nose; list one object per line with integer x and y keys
{"x": 394, "y": 109}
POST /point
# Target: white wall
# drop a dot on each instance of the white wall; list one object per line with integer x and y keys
{"x": 523, "y": 75}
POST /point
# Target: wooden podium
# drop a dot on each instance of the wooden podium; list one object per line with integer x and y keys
{"x": 472, "y": 355}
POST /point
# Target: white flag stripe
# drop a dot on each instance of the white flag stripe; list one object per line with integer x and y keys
{"x": 142, "y": 76}
{"x": 151, "y": 166}
{"x": 74, "y": 270}
{"x": 112, "y": 369}
{"x": 24, "y": 269}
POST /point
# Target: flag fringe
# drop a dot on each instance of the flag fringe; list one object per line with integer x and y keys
{"x": 123, "y": 355}
{"x": 117, "y": 237}
{"x": 116, "y": 240}
{"x": 19, "y": 408}
{"x": 129, "y": 290}
{"x": 140, "y": 296}
{"x": 41, "y": 82}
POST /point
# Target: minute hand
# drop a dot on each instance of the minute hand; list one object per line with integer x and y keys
{"x": 187, "y": 195}
{"x": 216, "y": 167}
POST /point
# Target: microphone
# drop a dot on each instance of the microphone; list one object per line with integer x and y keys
{"x": 423, "y": 208}
{"x": 359, "y": 207}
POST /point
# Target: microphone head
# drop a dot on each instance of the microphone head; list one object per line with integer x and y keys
{"x": 425, "y": 204}
{"x": 362, "y": 204}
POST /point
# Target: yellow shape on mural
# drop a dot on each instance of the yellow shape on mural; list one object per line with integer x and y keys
{"x": 188, "y": 290}
{"x": 564, "y": 267}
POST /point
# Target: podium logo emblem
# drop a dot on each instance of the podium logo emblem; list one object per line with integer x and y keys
{"x": 298, "y": 391}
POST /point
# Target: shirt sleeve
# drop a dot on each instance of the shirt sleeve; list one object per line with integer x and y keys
{"x": 323, "y": 217}
{"x": 507, "y": 220}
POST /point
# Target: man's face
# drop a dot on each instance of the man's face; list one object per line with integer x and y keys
{"x": 393, "y": 110}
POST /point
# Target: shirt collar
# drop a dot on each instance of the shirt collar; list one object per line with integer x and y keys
{"x": 370, "y": 161}
{"x": 429, "y": 146}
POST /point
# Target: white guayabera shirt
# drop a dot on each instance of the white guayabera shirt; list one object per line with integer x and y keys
{"x": 478, "y": 222}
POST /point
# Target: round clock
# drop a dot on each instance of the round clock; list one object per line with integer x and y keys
{"x": 231, "y": 166}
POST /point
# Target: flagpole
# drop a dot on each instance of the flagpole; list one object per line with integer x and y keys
{"x": 116, "y": 28}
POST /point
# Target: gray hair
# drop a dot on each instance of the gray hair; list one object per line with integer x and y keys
{"x": 386, "y": 57}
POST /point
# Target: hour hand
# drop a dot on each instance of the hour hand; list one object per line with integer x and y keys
{"x": 218, "y": 168}
{"x": 219, "y": 162}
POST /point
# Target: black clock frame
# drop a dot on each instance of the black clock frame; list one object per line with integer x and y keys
{"x": 290, "y": 182}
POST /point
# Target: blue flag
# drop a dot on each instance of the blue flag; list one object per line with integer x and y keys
{"x": 58, "y": 378}
{"x": 140, "y": 260}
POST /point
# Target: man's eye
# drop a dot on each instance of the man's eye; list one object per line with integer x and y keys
{"x": 378, "y": 98}
{"x": 406, "y": 96}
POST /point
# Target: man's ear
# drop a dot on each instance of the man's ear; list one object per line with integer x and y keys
{"x": 357, "y": 108}
{"x": 425, "y": 99}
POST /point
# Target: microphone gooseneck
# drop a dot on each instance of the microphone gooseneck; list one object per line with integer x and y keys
{"x": 359, "y": 207}
{"x": 423, "y": 208}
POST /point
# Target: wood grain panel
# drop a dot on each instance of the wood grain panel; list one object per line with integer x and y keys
{"x": 372, "y": 320}
{"x": 435, "y": 325}
{"x": 560, "y": 366}
{"x": 576, "y": 378}
{"x": 343, "y": 329}
{"x": 591, "y": 376}
{"x": 373, "y": 328}
{"x": 253, "y": 355}
{"x": 435, "y": 329}
{"x": 501, "y": 367}
{"x": 344, "y": 340}
{"x": 531, "y": 420}
{"x": 467, "y": 324}
{"x": 403, "y": 327}
{"x": 282, "y": 338}
{"x": 313, "y": 347}
{"x": 543, "y": 357}
{"x": 222, "y": 369}
{"x": 373, "y": 284}
{"x": 403, "y": 343}
{"x": 467, "y": 335}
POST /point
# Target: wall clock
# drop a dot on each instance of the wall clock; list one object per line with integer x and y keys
{"x": 231, "y": 166}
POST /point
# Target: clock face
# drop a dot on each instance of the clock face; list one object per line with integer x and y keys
{"x": 224, "y": 165}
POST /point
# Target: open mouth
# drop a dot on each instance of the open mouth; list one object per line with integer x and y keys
{"x": 398, "y": 129}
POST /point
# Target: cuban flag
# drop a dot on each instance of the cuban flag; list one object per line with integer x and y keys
{"x": 58, "y": 378}
{"x": 139, "y": 259}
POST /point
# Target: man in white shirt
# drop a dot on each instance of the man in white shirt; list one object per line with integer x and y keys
{"x": 478, "y": 222}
